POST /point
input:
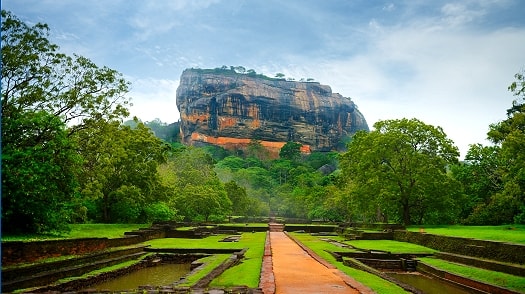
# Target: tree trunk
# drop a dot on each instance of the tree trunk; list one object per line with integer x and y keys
{"x": 406, "y": 214}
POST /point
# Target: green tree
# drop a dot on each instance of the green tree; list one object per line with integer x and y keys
{"x": 35, "y": 76}
{"x": 43, "y": 91}
{"x": 256, "y": 150}
{"x": 120, "y": 169}
{"x": 291, "y": 151}
{"x": 480, "y": 178}
{"x": 400, "y": 168}
{"x": 196, "y": 191}
{"x": 510, "y": 135}
{"x": 238, "y": 197}
{"x": 39, "y": 168}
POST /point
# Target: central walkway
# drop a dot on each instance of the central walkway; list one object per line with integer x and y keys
{"x": 295, "y": 271}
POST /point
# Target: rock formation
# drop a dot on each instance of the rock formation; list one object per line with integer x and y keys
{"x": 229, "y": 109}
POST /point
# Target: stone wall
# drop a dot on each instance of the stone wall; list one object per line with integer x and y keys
{"x": 500, "y": 251}
{"x": 462, "y": 281}
{"x": 15, "y": 252}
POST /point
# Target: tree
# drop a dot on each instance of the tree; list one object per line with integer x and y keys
{"x": 47, "y": 97}
{"x": 256, "y": 149}
{"x": 400, "y": 169}
{"x": 480, "y": 178}
{"x": 510, "y": 135}
{"x": 238, "y": 197}
{"x": 279, "y": 75}
{"x": 36, "y": 76}
{"x": 291, "y": 151}
{"x": 196, "y": 190}
{"x": 120, "y": 169}
{"x": 39, "y": 172}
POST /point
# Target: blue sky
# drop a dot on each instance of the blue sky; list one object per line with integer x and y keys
{"x": 447, "y": 63}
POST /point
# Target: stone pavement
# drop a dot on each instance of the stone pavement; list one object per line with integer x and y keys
{"x": 294, "y": 270}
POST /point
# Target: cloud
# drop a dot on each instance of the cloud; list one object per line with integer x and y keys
{"x": 159, "y": 17}
{"x": 154, "y": 98}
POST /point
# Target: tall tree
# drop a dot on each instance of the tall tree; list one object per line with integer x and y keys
{"x": 39, "y": 170}
{"x": 238, "y": 197}
{"x": 481, "y": 179}
{"x": 291, "y": 151}
{"x": 197, "y": 192}
{"x": 120, "y": 169}
{"x": 510, "y": 135}
{"x": 400, "y": 168}
{"x": 43, "y": 91}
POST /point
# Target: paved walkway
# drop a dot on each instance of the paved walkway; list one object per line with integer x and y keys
{"x": 296, "y": 271}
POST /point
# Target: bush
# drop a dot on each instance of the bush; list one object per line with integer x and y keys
{"x": 159, "y": 211}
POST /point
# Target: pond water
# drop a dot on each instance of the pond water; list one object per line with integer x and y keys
{"x": 427, "y": 284}
{"x": 159, "y": 275}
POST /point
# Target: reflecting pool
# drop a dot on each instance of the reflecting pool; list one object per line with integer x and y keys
{"x": 159, "y": 275}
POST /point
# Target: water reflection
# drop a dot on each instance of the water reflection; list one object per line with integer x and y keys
{"x": 159, "y": 275}
{"x": 427, "y": 284}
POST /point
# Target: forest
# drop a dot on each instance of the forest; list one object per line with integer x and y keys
{"x": 71, "y": 155}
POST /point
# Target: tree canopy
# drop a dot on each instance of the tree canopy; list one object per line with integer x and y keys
{"x": 400, "y": 170}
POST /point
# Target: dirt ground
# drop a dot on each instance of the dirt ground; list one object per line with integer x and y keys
{"x": 295, "y": 271}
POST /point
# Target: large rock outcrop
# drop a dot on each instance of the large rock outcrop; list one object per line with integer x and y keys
{"x": 229, "y": 109}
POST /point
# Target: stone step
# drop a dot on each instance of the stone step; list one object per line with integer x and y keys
{"x": 275, "y": 227}
{"x": 12, "y": 273}
{"x": 53, "y": 275}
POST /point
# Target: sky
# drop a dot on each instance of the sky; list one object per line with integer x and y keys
{"x": 446, "y": 63}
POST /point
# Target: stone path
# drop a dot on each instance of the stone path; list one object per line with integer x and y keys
{"x": 294, "y": 270}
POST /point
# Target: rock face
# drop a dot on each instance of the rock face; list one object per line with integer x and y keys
{"x": 229, "y": 109}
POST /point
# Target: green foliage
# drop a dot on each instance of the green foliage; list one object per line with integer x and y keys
{"x": 238, "y": 197}
{"x": 291, "y": 151}
{"x": 159, "y": 211}
{"x": 164, "y": 131}
{"x": 399, "y": 170}
{"x": 39, "y": 167}
{"x": 510, "y": 134}
{"x": 494, "y": 177}
{"x": 47, "y": 97}
{"x": 479, "y": 177}
{"x": 192, "y": 186}
{"x": 120, "y": 170}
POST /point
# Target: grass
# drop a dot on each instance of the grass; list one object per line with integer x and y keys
{"x": 374, "y": 282}
{"x": 250, "y": 225}
{"x": 81, "y": 231}
{"x": 92, "y": 273}
{"x": 246, "y": 273}
{"x": 483, "y": 275}
{"x": 210, "y": 262}
{"x": 390, "y": 246}
{"x": 506, "y": 233}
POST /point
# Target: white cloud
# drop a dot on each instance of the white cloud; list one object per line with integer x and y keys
{"x": 154, "y": 98}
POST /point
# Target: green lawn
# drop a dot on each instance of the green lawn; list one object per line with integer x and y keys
{"x": 320, "y": 248}
{"x": 246, "y": 273}
{"x": 82, "y": 231}
{"x": 390, "y": 246}
{"x": 483, "y": 275}
{"x": 210, "y": 262}
{"x": 507, "y": 233}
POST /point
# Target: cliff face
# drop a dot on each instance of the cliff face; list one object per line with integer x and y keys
{"x": 229, "y": 109}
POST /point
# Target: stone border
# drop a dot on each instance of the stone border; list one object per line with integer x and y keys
{"x": 351, "y": 282}
{"x": 267, "y": 279}
{"x": 512, "y": 269}
{"x": 493, "y": 250}
{"x": 481, "y": 287}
